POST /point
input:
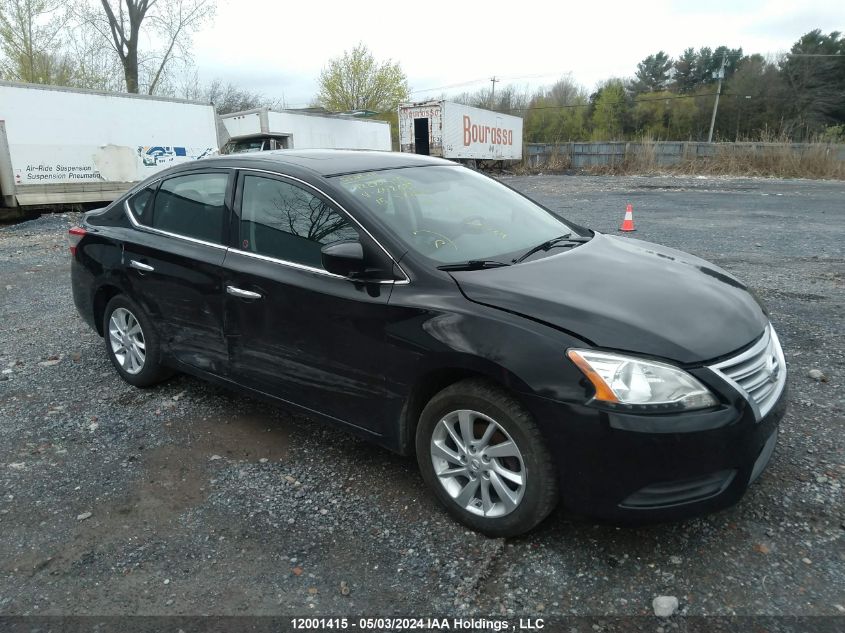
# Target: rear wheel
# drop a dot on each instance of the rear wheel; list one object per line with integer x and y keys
{"x": 132, "y": 344}
{"x": 483, "y": 456}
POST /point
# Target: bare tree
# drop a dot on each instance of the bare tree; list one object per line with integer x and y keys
{"x": 227, "y": 98}
{"x": 167, "y": 22}
{"x": 509, "y": 99}
{"x": 94, "y": 69}
{"x": 309, "y": 217}
{"x": 566, "y": 91}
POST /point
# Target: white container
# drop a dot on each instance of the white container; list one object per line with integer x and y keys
{"x": 263, "y": 129}
{"x": 455, "y": 131}
{"x": 63, "y": 145}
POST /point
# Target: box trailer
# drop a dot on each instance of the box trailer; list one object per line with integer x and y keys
{"x": 455, "y": 131}
{"x": 63, "y": 145}
{"x": 265, "y": 129}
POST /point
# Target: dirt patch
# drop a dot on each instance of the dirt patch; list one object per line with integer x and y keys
{"x": 176, "y": 474}
{"x": 256, "y": 433}
{"x": 174, "y": 478}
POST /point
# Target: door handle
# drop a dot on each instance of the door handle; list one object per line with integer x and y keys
{"x": 243, "y": 294}
{"x": 140, "y": 266}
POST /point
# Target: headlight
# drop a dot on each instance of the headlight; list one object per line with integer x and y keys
{"x": 649, "y": 385}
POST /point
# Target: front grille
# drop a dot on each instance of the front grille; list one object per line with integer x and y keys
{"x": 759, "y": 373}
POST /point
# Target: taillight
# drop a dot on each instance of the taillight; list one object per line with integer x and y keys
{"x": 74, "y": 236}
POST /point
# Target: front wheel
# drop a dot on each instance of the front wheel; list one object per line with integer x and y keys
{"x": 482, "y": 454}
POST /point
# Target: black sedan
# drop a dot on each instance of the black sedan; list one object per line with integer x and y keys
{"x": 522, "y": 358}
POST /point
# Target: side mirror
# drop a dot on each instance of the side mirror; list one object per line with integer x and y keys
{"x": 345, "y": 258}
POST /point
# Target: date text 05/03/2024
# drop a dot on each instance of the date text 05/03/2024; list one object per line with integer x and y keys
{"x": 416, "y": 624}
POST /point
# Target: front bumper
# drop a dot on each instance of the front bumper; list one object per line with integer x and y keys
{"x": 634, "y": 468}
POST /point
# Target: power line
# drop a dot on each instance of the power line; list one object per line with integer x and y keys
{"x": 564, "y": 73}
{"x": 537, "y": 75}
{"x": 740, "y": 55}
{"x": 815, "y": 55}
{"x": 635, "y": 101}
{"x": 475, "y": 81}
{"x": 587, "y": 105}
{"x": 465, "y": 83}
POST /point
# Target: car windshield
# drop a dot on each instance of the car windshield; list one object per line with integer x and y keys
{"x": 242, "y": 147}
{"x": 453, "y": 214}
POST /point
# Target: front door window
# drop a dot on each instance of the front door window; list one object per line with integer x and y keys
{"x": 287, "y": 222}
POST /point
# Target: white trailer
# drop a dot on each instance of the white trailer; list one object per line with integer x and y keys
{"x": 63, "y": 145}
{"x": 452, "y": 130}
{"x": 265, "y": 129}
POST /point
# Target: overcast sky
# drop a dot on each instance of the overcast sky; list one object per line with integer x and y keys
{"x": 279, "y": 47}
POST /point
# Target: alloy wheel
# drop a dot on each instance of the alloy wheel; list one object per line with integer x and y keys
{"x": 478, "y": 463}
{"x": 127, "y": 341}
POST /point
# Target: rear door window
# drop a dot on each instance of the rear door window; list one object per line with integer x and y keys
{"x": 141, "y": 204}
{"x": 193, "y": 205}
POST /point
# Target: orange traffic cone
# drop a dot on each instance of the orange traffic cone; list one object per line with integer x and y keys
{"x": 628, "y": 222}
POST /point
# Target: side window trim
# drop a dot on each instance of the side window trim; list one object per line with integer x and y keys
{"x": 235, "y": 239}
{"x": 231, "y": 175}
{"x": 151, "y": 202}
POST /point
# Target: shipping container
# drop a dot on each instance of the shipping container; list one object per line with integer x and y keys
{"x": 64, "y": 145}
{"x": 265, "y": 129}
{"x": 459, "y": 132}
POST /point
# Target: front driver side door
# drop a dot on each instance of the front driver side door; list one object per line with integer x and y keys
{"x": 296, "y": 331}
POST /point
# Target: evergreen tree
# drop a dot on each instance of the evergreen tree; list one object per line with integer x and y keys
{"x": 684, "y": 78}
{"x": 652, "y": 73}
{"x": 814, "y": 73}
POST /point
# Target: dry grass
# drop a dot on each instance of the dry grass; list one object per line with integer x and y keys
{"x": 814, "y": 160}
{"x": 772, "y": 158}
{"x": 557, "y": 162}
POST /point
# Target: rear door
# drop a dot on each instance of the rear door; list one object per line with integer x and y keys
{"x": 296, "y": 331}
{"x": 173, "y": 263}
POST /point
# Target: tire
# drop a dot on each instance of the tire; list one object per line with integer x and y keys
{"x": 144, "y": 370}
{"x": 451, "y": 473}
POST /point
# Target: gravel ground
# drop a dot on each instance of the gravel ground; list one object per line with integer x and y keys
{"x": 188, "y": 499}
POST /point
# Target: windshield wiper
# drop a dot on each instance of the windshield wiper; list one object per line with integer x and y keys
{"x": 550, "y": 243}
{"x": 473, "y": 264}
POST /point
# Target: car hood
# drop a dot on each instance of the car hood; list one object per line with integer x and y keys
{"x": 628, "y": 295}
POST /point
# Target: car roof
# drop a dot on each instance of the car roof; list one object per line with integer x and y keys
{"x": 329, "y": 162}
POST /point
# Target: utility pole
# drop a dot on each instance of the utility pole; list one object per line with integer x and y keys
{"x": 718, "y": 92}
{"x": 493, "y": 91}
